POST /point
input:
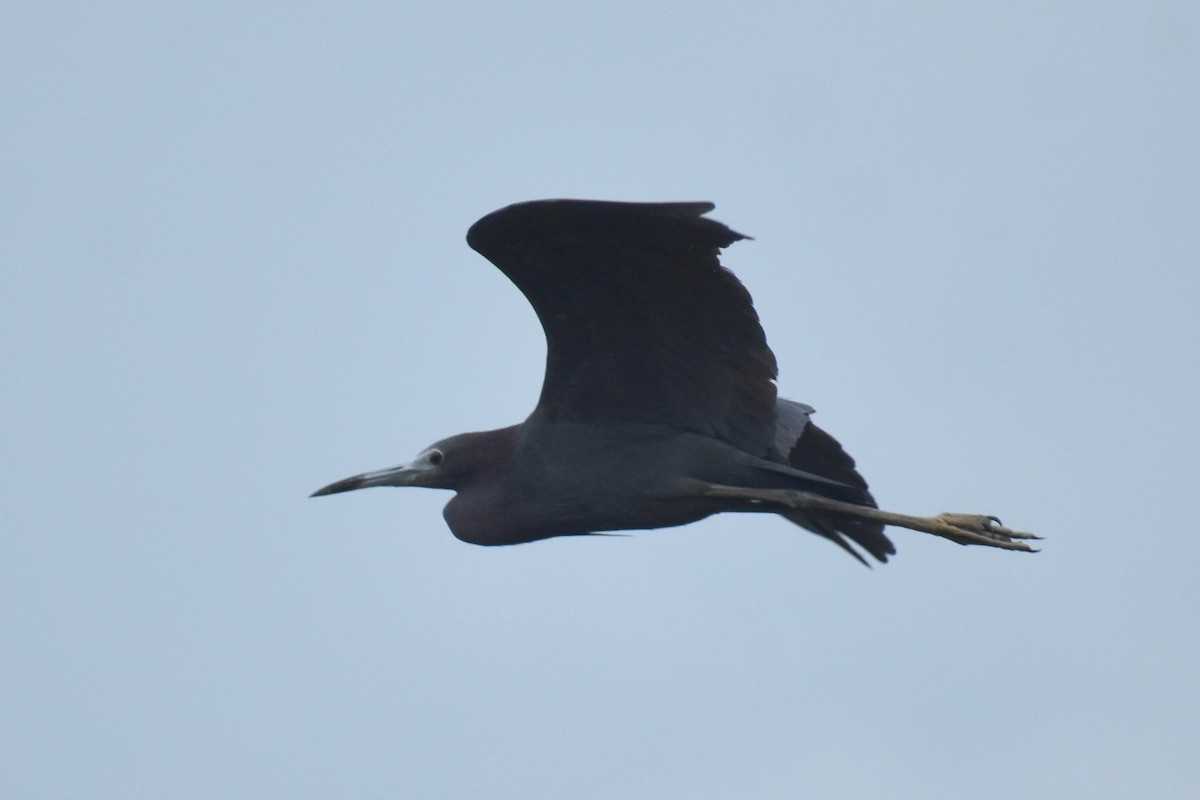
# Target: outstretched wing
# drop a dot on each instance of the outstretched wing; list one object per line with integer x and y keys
{"x": 642, "y": 322}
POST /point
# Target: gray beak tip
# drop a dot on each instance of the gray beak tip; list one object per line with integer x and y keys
{"x": 403, "y": 475}
{"x": 346, "y": 485}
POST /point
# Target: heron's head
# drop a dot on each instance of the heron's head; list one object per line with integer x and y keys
{"x": 448, "y": 464}
{"x": 424, "y": 470}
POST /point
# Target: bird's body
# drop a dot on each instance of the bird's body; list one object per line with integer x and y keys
{"x": 540, "y": 499}
{"x": 659, "y": 405}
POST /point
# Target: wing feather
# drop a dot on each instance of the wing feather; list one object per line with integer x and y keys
{"x": 642, "y": 322}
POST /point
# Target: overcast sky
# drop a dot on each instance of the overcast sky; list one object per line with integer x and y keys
{"x": 233, "y": 270}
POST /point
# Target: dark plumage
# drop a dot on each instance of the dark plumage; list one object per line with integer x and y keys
{"x": 658, "y": 406}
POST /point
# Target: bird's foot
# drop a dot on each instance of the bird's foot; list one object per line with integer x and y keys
{"x": 962, "y": 528}
{"x": 979, "y": 529}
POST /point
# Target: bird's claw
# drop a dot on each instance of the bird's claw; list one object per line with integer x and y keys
{"x": 981, "y": 529}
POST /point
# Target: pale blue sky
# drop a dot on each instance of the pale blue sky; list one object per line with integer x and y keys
{"x": 233, "y": 267}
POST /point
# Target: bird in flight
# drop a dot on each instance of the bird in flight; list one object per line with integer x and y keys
{"x": 658, "y": 407}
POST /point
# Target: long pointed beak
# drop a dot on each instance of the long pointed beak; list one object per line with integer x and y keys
{"x": 403, "y": 475}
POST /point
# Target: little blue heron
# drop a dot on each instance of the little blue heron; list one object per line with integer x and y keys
{"x": 658, "y": 406}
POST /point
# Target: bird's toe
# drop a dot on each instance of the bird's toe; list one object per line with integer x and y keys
{"x": 982, "y": 529}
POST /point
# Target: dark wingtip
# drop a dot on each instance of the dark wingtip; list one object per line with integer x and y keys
{"x": 534, "y": 214}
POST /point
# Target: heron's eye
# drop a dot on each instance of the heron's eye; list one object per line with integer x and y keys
{"x": 435, "y": 457}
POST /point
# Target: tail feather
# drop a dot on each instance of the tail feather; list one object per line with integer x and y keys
{"x": 817, "y": 452}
